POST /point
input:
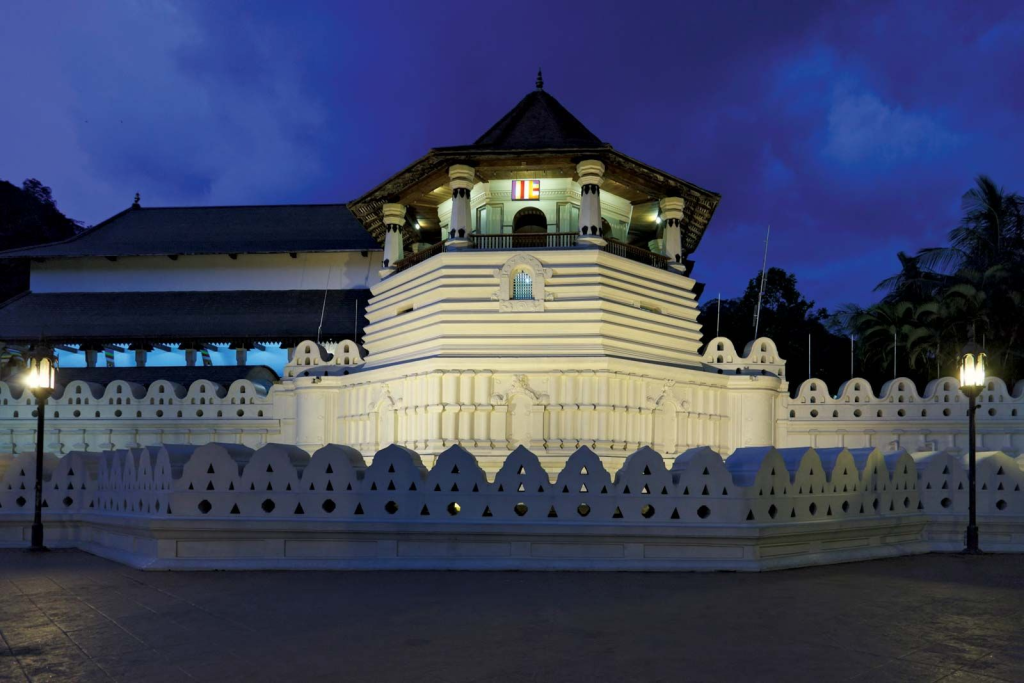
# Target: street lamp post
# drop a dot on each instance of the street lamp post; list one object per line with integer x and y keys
{"x": 972, "y": 381}
{"x": 42, "y": 375}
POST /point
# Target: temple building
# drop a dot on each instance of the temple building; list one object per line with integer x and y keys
{"x": 532, "y": 288}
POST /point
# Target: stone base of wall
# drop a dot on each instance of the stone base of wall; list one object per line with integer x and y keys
{"x": 161, "y": 544}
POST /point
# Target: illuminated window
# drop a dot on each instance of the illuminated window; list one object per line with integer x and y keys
{"x": 522, "y": 286}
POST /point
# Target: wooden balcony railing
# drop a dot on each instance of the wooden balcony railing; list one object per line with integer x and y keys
{"x": 531, "y": 240}
{"x": 419, "y": 257}
{"x": 527, "y": 241}
{"x": 634, "y": 253}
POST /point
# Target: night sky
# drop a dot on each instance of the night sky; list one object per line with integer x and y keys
{"x": 853, "y": 128}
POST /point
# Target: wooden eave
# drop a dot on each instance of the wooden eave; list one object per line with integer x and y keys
{"x": 424, "y": 185}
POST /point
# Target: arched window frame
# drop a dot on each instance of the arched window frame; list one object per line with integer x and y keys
{"x": 522, "y": 263}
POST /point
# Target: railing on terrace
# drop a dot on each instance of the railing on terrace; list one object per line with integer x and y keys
{"x": 553, "y": 240}
{"x": 532, "y": 240}
{"x": 638, "y": 254}
{"x": 419, "y": 256}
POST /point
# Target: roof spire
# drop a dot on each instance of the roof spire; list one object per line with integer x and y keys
{"x": 540, "y": 80}
{"x": 135, "y": 204}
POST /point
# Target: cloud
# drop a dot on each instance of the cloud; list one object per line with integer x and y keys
{"x": 863, "y": 128}
{"x": 153, "y": 98}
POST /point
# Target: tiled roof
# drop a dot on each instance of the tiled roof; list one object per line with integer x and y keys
{"x": 539, "y": 121}
{"x": 234, "y": 316}
{"x": 214, "y": 230}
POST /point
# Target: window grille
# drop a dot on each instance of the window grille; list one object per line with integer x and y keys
{"x": 522, "y": 286}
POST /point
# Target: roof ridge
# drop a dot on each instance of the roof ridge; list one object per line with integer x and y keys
{"x": 87, "y": 231}
{"x": 239, "y": 206}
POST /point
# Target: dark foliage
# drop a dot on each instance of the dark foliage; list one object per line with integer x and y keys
{"x": 788, "y": 319}
{"x": 28, "y": 216}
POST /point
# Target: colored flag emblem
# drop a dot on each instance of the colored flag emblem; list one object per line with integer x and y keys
{"x": 525, "y": 189}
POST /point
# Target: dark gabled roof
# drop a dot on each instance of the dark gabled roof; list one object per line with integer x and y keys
{"x": 172, "y": 231}
{"x": 234, "y": 316}
{"x": 539, "y": 121}
{"x": 223, "y": 375}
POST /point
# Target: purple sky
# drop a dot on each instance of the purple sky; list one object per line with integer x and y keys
{"x": 852, "y": 128}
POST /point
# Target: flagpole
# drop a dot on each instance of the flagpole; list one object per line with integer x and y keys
{"x": 718, "y": 319}
{"x": 764, "y": 277}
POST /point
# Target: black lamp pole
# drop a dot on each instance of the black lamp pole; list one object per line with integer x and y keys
{"x": 972, "y": 381}
{"x": 972, "y": 491}
{"x": 37, "y": 520}
{"x": 41, "y": 375}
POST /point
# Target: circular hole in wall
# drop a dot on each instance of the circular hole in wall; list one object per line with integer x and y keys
{"x": 78, "y": 413}
{"x": 846, "y": 506}
{"x": 204, "y": 506}
{"x": 68, "y": 501}
{"x": 21, "y": 501}
{"x": 454, "y": 509}
{"x": 583, "y": 510}
{"x": 199, "y": 413}
{"x": 946, "y": 502}
{"x": 1000, "y": 504}
{"x": 901, "y": 412}
{"x": 521, "y": 509}
{"x": 329, "y": 506}
{"x": 117, "y": 413}
{"x": 906, "y": 502}
{"x": 703, "y": 511}
{"x": 812, "y": 508}
{"x": 857, "y": 413}
{"x": 772, "y": 511}
{"x": 159, "y": 413}
{"x": 945, "y": 412}
{"x": 268, "y": 506}
{"x": 814, "y": 413}
{"x": 992, "y": 412}
{"x": 647, "y": 511}
{"x": 391, "y": 507}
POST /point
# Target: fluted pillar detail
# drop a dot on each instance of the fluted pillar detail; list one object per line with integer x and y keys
{"x": 672, "y": 226}
{"x": 591, "y": 175}
{"x": 461, "y": 178}
{"x": 394, "y": 248}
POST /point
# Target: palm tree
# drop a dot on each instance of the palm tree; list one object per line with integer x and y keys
{"x": 990, "y": 233}
{"x": 883, "y": 327}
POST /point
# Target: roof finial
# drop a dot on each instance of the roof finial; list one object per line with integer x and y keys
{"x": 540, "y": 80}
{"x": 135, "y": 204}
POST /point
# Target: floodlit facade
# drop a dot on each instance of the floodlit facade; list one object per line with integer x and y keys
{"x": 531, "y": 293}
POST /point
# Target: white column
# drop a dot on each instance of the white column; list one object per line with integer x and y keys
{"x": 461, "y": 179}
{"x": 394, "y": 219}
{"x": 672, "y": 220}
{"x": 591, "y": 175}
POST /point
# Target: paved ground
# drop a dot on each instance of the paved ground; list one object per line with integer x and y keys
{"x": 70, "y": 616}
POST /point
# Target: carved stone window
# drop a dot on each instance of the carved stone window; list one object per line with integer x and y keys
{"x": 521, "y": 284}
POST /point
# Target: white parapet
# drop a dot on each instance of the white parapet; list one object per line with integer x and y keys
{"x": 225, "y": 506}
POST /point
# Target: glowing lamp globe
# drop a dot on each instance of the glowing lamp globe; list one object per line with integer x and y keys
{"x": 42, "y": 373}
{"x": 972, "y": 370}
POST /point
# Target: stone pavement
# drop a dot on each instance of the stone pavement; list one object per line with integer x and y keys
{"x": 69, "y": 616}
